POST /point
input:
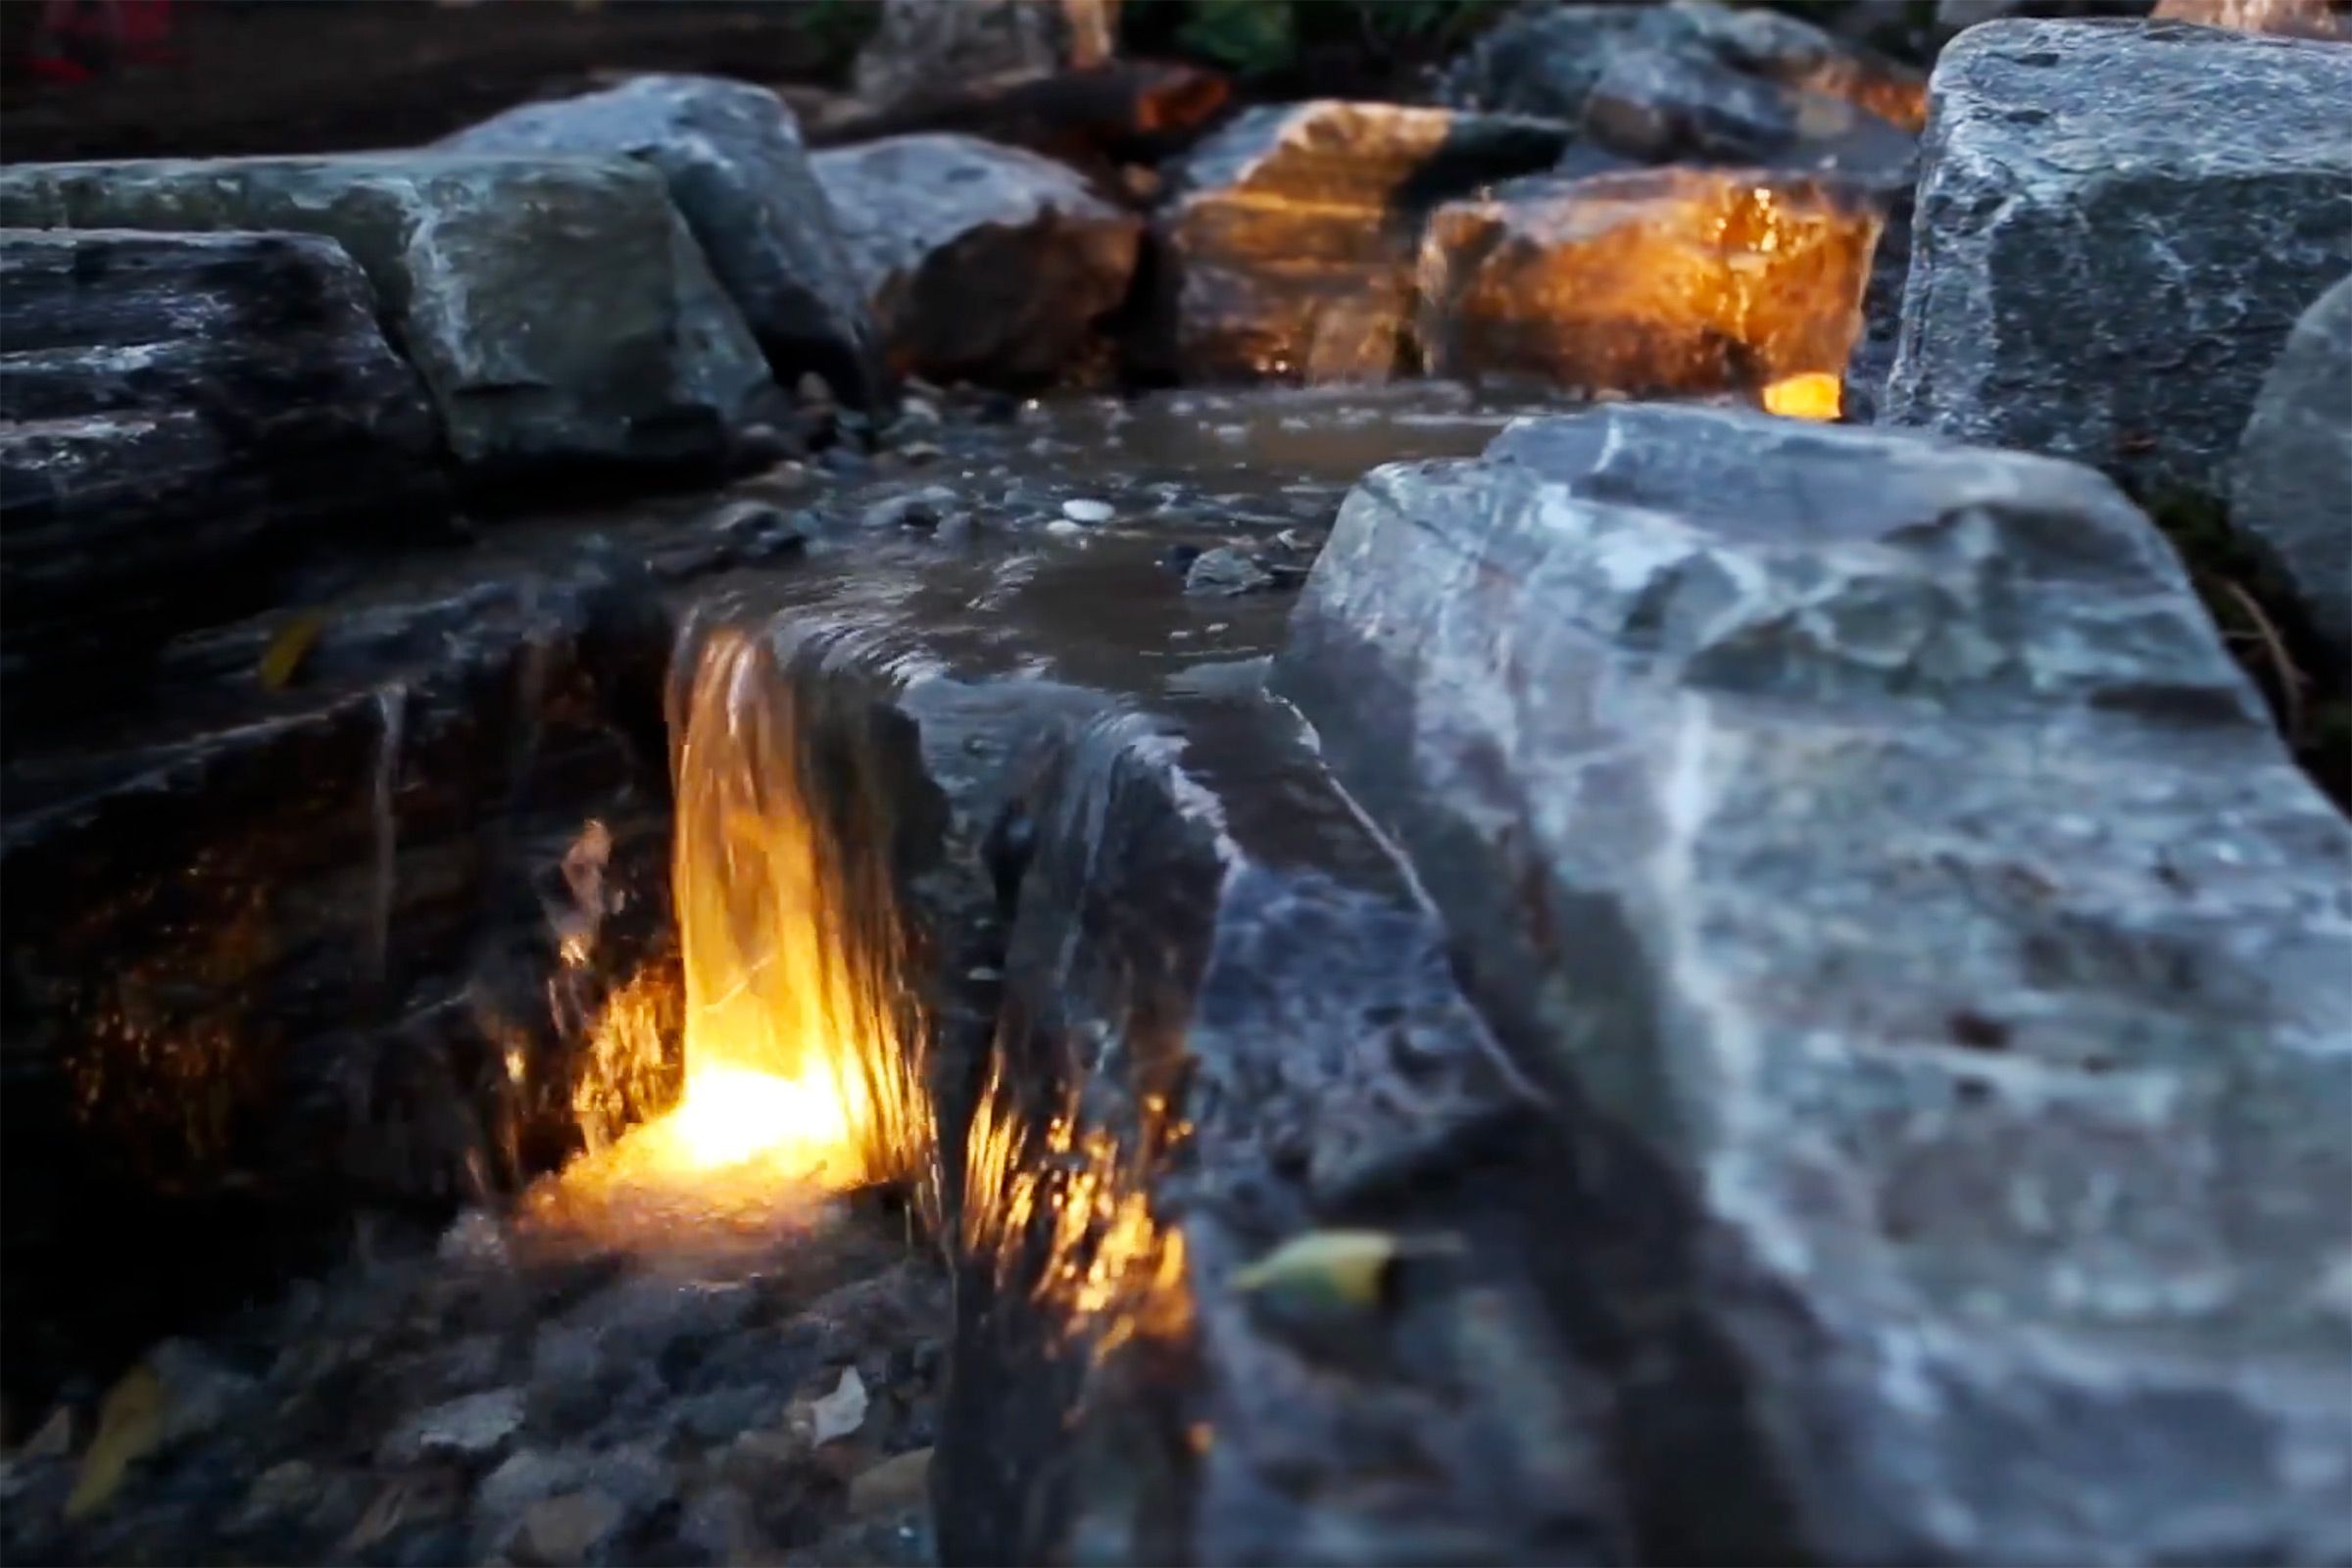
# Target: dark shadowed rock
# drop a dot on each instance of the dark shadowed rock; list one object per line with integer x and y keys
{"x": 2292, "y": 488}
{"x": 277, "y": 952}
{"x": 1227, "y": 1019}
{"x": 1291, "y": 233}
{"x": 1689, "y": 76}
{"x": 2118, "y": 225}
{"x": 981, "y": 262}
{"x": 1664, "y": 281}
{"x": 731, "y": 153}
{"x": 1871, "y": 844}
{"x": 556, "y": 308}
{"x": 183, "y": 419}
{"x": 923, "y": 47}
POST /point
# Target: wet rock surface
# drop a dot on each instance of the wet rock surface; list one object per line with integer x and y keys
{"x": 980, "y": 261}
{"x": 1941, "y": 1220}
{"x": 190, "y": 418}
{"x": 1291, "y": 233}
{"x": 2295, "y": 467}
{"x": 556, "y": 309}
{"x": 2120, "y": 310}
{"x": 732, "y": 156}
{"x": 532, "y": 1396}
{"x": 1653, "y": 282}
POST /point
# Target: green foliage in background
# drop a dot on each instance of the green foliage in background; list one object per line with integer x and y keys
{"x": 1254, "y": 36}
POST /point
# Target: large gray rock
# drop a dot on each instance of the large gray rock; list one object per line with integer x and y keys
{"x": 558, "y": 309}
{"x": 1904, "y": 895}
{"x": 732, "y": 156}
{"x": 982, "y": 261}
{"x": 185, "y": 420}
{"x": 2292, "y": 489}
{"x": 2118, "y": 225}
{"x": 1291, "y": 233}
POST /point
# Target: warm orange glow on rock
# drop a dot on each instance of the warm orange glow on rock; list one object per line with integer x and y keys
{"x": 1660, "y": 281}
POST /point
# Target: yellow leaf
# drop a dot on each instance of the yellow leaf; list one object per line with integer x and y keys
{"x": 1324, "y": 1268}
{"x": 130, "y": 1422}
{"x": 290, "y": 647}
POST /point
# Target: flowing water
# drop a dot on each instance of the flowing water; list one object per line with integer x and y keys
{"x": 760, "y": 1174}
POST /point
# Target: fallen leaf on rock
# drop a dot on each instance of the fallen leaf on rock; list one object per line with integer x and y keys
{"x": 290, "y": 647}
{"x": 1338, "y": 1268}
{"x": 841, "y": 1412}
{"x": 131, "y": 1422}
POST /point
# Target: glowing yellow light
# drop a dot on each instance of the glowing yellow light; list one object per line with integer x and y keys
{"x": 1813, "y": 395}
{"x": 732, "y": 1114}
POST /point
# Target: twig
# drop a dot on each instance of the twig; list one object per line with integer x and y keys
{"x": 2292, "y": 680}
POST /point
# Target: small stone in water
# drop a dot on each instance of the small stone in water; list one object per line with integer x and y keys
{"x": 1083, "y": 509}
{"x": 1063, "y": 528}
{"x": 473, "y": 1427}
{"x": 1226, "y": 570}
{"x": 567, "y": 1528}
{"x": 918, "y": 414}
{"x": 473, "y": 1238}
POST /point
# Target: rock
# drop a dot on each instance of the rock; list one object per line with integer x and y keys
{"x": 556, "y": 309}
{"x": 924, "y": 47}
{"x": 291, "y": 948}
{"x": 921, "y": 510}
{"x": 1933, "y": 956}
{"x": 1200, "y": 888}
{"x": 1769, "y": 75}
{"x": 894, "y": 1485}
{"x": 1664, "y": 281}
{"x": 1113, "y": 121}
{"x": 1084, "y": 509}
{"x": 721, "y": 1521}
{"x": 524, "y": 1477}
{"x": 731, "y": 154}
{"x": 2295, "y": 467}
{"x": 2117, "y": 227}
{"x": 186, "y": 422}
{"x": 2285, "y": 19}
{"x": 1225, "y": 570}
{"x": 569, "y": 1529}
{"x": 474, "y": 1427}
{"x": 1291, "y": 233}
{"x": 981, "y": 262}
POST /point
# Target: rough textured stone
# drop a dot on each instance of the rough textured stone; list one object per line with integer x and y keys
{"x": 732, "y": 155}
{"x": 925, "y": 46}
{"x": 1753, "y": 79}
{"x": 183, "y": 421}
{"x": 1665, "y": 280}
{"x": 273, "y": 952}
{"x": 2118, "y": 225}
{"x": 982, "y": 261}
{"x": 558, "y": 309}
{"x": 1226, "y": 1019}
{"x": 1906, "y": 901}
{"x": 1291, "y": 233}
{"x": 2292, "y": 488}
